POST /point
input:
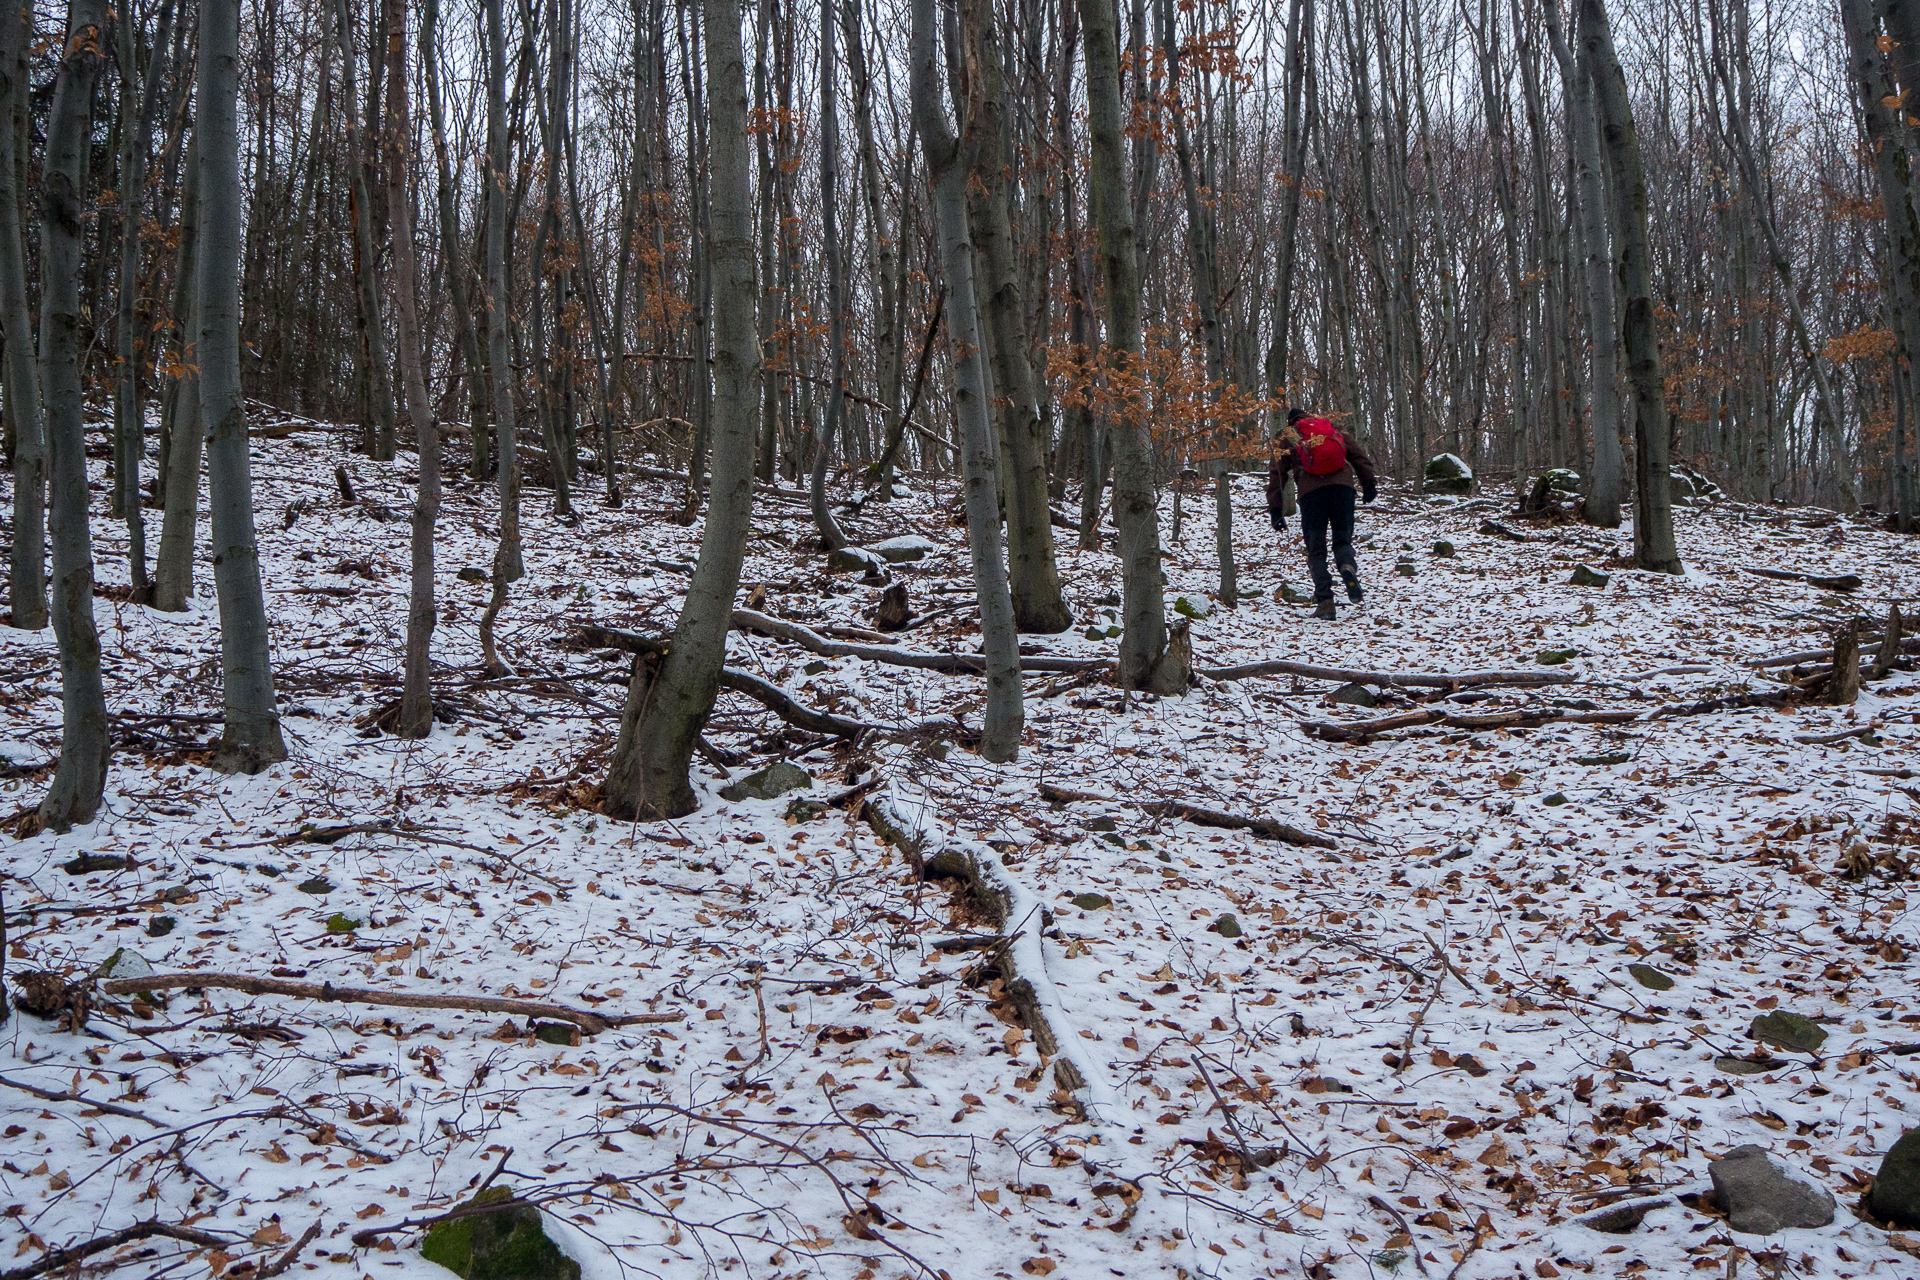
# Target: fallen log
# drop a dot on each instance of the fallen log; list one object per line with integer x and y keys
{"x": 247, "y": 984}
{"x": 1827, "y": 739}
{"x": 1199, "y": 816}
{"x": 1531, "y": 718}
{"x": 765, "y": 693}
{"x": 69, "y": 1257}
{"x": 1843, "y": 582}
{"x": 951, "y": 663}
{"x": 1389, "y": 679}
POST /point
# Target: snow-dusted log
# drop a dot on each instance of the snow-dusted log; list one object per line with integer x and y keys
{"x": 1404, "y": 680}
{"x": 589, "y": 1023}
{"x": 1200, "y": 817}
{"x": 954, "y": 663}
{"x": 766, "y": 694}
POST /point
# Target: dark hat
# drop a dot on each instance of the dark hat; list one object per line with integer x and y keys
{"x": 1295, "y": 414}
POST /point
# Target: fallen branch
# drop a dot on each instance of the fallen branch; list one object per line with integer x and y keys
{"x": 247, "y": 984}
{"x": 285, "y": 1260}
{"x": 1389, "y": 679}
{"x": 1844, "y": 582}
{"x": 62, "y": 1095}
{"x": 766, "y": 694}
{"x": 951, "y": 663}
{"x": 1823, "y": 739}
{"x": 62, "y": 1259}
{"x": 1361, "y": 730}
{"x": 1200, "y": 817}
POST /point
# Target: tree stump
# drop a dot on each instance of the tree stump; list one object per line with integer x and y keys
{"x": 894, "y": 612}
{"x": 1890, "y": 638}
{"x": 1844, "y": 690}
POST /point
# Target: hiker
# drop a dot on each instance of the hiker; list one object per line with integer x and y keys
{"x": 1329, "y": 466}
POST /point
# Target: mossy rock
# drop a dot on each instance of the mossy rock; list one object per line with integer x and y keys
{"x": 506, "y": 1244}
{"x": 1790, "y": 1031}
{"x": 341, "y": 922}
{"x": 1585, "y": 577}
{"x": 1448, "y": 473}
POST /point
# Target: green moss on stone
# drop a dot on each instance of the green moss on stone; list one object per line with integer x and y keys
{"x": 506, "y": 1244}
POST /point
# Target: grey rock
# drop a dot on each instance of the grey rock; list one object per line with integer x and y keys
{"x": 1895, "y": 1197}
{"x": 1091, "y": 901}
{"x": 1448, "y": 474}
{"x": 1585, "y": 577}
{"x": 775, "y": 780}
{"x": 1619, "y": 1219}
{"x": 1761, "y": 1197}
{"x": 1406, "y": 568}
{"x": 1649, "y": 977}
{"x": 1226, "y": 926}
{"x": 903, "y": 549}
{"x": 1789, "y": 1031}
{"x": 471, "y": 574}
{"x": 1443, "y": 549}
{"x": 1353, "y": 695}
{"x": 123, "y": 964}
{"x": 854, "y": 560}
{"x": 1102, "y": 823}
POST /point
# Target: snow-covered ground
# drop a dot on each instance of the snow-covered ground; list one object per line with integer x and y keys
{"x": 1427, "y": 1039}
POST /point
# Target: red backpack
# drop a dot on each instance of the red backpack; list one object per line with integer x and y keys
{"x": 1322, "y": 450}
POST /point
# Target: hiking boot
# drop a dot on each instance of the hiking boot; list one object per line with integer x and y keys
{"x": 1323, "y": 609}
{"x": 1355, "y": 592}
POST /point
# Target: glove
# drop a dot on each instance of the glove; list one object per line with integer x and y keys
{"x": 1279, "y": 521}
{"x": 1366, "y": 493}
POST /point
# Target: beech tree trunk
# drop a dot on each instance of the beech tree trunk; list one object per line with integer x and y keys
{"x": 21, "y": 377}
{"x": 453, "y": 262}
{"x": 1034, "y": 575}
{"x": 1653, "y": 545}
{"x": 507, "y": 566}
{"x": 950, "y": 162}
{"x": 416, "y": 691}
{"x": 81, "y": 776}
{"x": 250, "y": 737}
{"x": 373, "y": 340}
{"x": 182, "y": 437}
{"x": 1608, "y": 473}
{"x": 1146, "y": 659}
{"x": 665, "y": 711}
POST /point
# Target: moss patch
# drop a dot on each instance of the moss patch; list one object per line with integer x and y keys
{"x": 506, "y": 1244}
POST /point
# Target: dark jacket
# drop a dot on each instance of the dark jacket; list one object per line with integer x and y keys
{"x": 1357, "y": 474}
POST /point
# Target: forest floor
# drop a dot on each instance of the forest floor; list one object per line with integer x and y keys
{"x": 1517, "y": 988}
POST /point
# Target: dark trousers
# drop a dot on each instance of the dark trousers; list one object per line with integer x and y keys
{"x": 1324, "y": 509}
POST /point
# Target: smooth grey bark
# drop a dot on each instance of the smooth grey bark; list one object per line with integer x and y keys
{"x": 665, "y": 710}
{"x": 1653, "y": 544}
{"x": 1296, "y": 121}
{"x": 453, "y": 261}
{"x": 1033, "y": 573}
{"x": 139, "y": 99}
{"x": 373, "y": 340}
{"x": 250, "y": 737}
{"x": 949, "y": 165}
{"x": 183, "y": 438}
{"x": 833, "y": 418}
{"x": 27, "y": 565}
{"x": 1147, "y": 661}
{"x": 889, "y": 326}
{"x": 1887, "y": 137}
{"x": 1204, "y": 261}
{"x": 416, "y": 687}
{"x": 81, "y": 775}
{"x": 1604, "y": 485}
{"x": 1740, "y": 142}
{"x": 507, "y": 566}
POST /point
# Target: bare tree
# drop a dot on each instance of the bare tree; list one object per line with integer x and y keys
{"x": 250, "y": 737}
{"x": 28, "y": 563}
{"x": 667, "y": 708}
{"x": 1653, "y": 543}
{"x": 81, "y": 776}
{"x": 1147, "y": 661}
{"x": 950, "y": 162}
{"x": 416, "y": 695}
{"x": 507, "y": 566}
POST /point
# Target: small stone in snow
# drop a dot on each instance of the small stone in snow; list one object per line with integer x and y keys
{"x": 1789, "y": 1031}
{"x": 1585, "y": 577}
{"x": 1354, "y": 695}
{"x": 1649, "y": 977}
{"x": 1226, "y": 926}
{"x": 1091, "y": 901}
{"x": 774, "y": 780}
{"x": 1760, "y": 1197}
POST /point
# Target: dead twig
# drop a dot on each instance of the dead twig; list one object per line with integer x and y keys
{"x": 285, "y": 1260}
{"x": 247, "y": 984}
{"x": 61, "y": 1259}
{"x": 1200, "y": 817}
